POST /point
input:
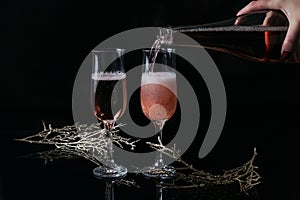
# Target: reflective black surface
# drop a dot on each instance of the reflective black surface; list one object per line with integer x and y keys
{"x": 32, "y": 178}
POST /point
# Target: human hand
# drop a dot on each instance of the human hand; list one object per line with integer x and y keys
{"x": 291, "y": 9}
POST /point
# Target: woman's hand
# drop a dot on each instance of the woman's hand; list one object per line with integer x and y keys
{"x": 291, "y": 9}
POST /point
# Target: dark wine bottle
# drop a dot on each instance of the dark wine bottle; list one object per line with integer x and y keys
{"x": 255, "y": 36}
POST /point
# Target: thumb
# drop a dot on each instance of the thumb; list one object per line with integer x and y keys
{"x": 292, "y": 36}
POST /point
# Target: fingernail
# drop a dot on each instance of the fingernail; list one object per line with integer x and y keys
{"x": 285, "y": 55}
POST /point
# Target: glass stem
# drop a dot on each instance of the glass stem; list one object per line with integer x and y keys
{"x": 159, "y": 124}
{"x": 109, "y": 190}
{"x": 109, "y": 154}
{"x": 159, "y": 192}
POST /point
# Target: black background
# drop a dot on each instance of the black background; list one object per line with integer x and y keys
{"x": 43, "y": 44}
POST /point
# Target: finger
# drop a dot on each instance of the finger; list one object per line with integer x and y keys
{"x": 240, "y": 20}
{"x": 274, "y": 18}
{"x": 255, "y": 6}
{"x": 292, "y": 37}
{"x": 269, "y": 19}
{"x": 243, "y": 18}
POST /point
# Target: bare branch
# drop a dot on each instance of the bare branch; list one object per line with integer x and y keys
{"x": 246, "y": 175}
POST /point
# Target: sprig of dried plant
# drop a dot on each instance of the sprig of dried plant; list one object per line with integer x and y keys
{"x": 246, "y": 175}
{"x": 78, "y": 141}
{"x": 81, "y": 139}
{"x": 89, "y": 142}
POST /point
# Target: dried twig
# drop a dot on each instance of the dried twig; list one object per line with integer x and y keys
{"x": 90, "y": 142}
{"x": 78, "y": 141}
{"x": 80, "y": 138}
{"x": 246, "y": 175}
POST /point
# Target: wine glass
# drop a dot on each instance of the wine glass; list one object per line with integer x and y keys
{"x": 109, "y": 97}
{"x": 159, "y": 99}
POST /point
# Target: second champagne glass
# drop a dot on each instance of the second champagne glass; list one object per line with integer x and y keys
{"x": 109, "y": 98}
{"x": 159, "y": 99}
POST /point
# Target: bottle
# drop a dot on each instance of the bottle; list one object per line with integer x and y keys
{"x": 256, "y": 36}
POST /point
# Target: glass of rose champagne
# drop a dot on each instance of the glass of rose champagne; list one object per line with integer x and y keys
{"x": 109, "y": 98}
{"x": 159, "y": 99}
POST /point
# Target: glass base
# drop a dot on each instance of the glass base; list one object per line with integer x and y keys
{"x": 105, "y": 172}
{"x": 166, "y": 172}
